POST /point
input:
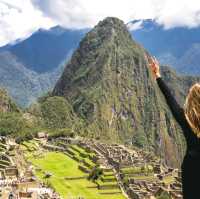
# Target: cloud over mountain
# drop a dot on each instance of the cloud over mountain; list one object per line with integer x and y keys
{"x": 20, "y": 18}
{"x": 84, "y": 13}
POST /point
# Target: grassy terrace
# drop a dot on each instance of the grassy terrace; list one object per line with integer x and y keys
{"x": 62, "y": 167}
{"x": 107, "y": 178}
{"x": 2, "y": 148}
{"x": 3, "y": 163}
{"x": 168, "y": 179}
{"x": 2, "y": 145}
{"x": 108, "y": 174}
{"x": 135, "y": 170}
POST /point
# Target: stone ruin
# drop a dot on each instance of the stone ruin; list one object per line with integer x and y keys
{"x": 120, "y": 157}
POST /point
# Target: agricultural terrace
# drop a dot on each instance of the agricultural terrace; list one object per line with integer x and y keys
{"x": 67, "y": 172}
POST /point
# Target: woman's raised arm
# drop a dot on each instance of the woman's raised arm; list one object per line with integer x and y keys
{"x": 174, "y": 106}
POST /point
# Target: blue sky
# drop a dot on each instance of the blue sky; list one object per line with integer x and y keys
{"x": 19, "y": 18}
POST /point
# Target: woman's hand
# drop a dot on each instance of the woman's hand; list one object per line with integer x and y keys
{"x": 154, "y": 65}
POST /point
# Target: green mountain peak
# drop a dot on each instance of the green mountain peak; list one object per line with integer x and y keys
{"x": 109, "y": 86}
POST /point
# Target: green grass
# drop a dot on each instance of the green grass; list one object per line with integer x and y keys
{"x": 108, "y": 178}
{"x": 132, "y": 170}
{"x": 2, "y": 166}
{"x": 168, "y": 179}
{"x": 108, "y": 173}
{"x": 106, "y": 183}
{"x": 82, "y": 155}
{"x": 61, "y": 166}
{"x": 147, "y": 178}
{"x": 82, "y": 151}
{"x": 4, "y": 162}
{"x": 2, "y": 149}
{"x": 30, "y": 145}
{"x": 2, "y": 145}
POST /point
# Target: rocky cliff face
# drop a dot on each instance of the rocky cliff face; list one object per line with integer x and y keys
{"x": 109, "y": 85}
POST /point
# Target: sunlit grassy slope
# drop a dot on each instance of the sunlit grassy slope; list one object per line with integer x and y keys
{"x": 61, "y": 166}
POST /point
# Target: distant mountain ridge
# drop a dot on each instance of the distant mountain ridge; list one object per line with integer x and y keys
{"x": 44, "y": 50}
{"x": 31, "y": 67}
{"x": 177, "y": 47}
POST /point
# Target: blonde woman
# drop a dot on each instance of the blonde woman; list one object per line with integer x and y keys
{"x": 189, "y": 120}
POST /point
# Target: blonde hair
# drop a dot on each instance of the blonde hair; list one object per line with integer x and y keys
{"x": 192, "y": 108}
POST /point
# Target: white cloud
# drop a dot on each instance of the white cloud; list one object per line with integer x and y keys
{"x": 173, "y": 13}
{"x": 86, "y": 13}
{"x": 135, "y": 26}
{"x": 19, "y": 18}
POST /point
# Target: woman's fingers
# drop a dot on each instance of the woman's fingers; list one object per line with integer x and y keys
{"x": 154, "y": 65}
{"x": 151, "y": 60}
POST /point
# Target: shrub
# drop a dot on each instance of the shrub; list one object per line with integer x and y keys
{"x": 95, "y": 174}
{"x": 57, "y": 113}
{"x": 11, "y": 123}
